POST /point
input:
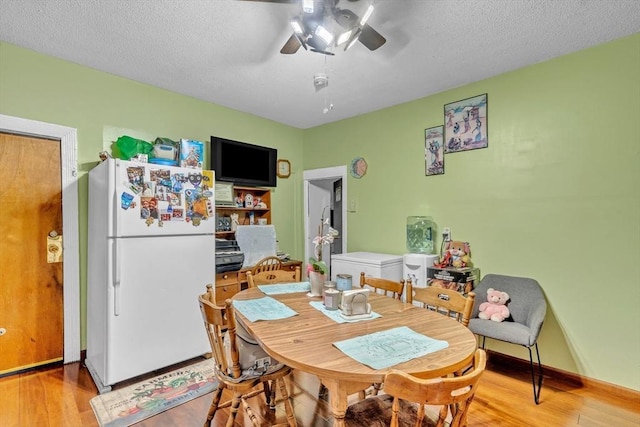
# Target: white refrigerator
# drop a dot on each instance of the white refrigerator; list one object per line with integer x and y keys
{"x": 151, "y": 252}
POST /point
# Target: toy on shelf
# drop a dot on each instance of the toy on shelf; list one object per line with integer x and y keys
{"x": 456, "y": 254}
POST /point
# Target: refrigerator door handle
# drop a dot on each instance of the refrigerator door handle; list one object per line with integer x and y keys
{"x": 116, "y": 278}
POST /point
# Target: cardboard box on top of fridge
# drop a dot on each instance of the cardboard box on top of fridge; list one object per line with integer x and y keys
{"x": 191, "y": 153}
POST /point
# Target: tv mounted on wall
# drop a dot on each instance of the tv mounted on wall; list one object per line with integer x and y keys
{"x": 243, "y": 163}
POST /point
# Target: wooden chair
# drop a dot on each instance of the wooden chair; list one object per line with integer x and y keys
{"x": 406, "y": 397}
{"x": 220, "y": 324}
{"x": 269, "y": 263}
{"x": 446, "y": 301}
{"x": 273, "y": 276}
{"x": 388, "y": 287}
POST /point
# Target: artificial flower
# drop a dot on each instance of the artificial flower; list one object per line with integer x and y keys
{"x": 316, "y": 263}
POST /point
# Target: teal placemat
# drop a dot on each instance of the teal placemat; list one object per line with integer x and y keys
{"x": 383, "y": 349}
{"x": 335, "y": 314}
{"x": 265, "y": 308}
{"x": 285, "y": 288}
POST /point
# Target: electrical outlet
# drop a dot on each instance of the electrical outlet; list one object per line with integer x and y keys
{"x": 446, "y": 234}
{"x": 353, "y": 205}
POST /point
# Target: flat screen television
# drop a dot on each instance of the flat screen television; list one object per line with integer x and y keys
{"x": 243, "y": 163}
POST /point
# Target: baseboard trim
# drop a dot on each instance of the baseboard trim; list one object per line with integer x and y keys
{"x": 504, "y": 361}
{"x": 500, "y": 361}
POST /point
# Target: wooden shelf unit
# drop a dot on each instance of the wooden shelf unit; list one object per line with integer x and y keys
{"x": 231, "y": 282}
{"x": 244, "y": 213}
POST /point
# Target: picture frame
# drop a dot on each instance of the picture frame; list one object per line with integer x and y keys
{"x": 434, "y": 150}
{"x": 465, "y": 124}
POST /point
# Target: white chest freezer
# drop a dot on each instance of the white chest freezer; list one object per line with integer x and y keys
{"x": 386, "y": 266}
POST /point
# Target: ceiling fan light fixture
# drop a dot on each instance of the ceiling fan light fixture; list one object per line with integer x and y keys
{"x": 325, "y": 35}
{"x": 344, "y": 37}
{"x": 366, "y": 15}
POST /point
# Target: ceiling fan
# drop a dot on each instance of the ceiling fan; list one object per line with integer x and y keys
{"x": 322, "y": 25}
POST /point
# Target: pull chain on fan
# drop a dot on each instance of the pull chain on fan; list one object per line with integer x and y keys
{"x": 320, "y": 82}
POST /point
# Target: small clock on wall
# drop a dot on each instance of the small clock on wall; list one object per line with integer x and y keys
{"x": 284, "y": 168}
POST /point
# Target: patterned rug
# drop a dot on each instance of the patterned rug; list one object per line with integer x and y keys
{"x": 132, "y": 404}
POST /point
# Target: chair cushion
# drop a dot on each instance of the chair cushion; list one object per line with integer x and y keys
{"x": 250, "y": 353}
{"x": 512, "y": 332}
{"x": 376, "y": 412}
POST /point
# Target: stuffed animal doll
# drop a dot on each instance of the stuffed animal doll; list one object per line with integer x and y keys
{"x": 456, "y": 254}
{"x": 495, "y": 308}
{"x": 460, "y": 253}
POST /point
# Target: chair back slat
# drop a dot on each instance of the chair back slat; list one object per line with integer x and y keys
{"x": 445, "y": 301}
{"x": 269, "y": 263}
{"x": 387, "y": 287}
{"x": 272, "y": 277}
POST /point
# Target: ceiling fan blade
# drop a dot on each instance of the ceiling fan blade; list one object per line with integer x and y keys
{"x": 291, "y": 46}
{"x": 371, "y": 38}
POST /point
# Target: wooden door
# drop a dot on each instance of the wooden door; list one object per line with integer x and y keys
{"x": 31, "y": 300}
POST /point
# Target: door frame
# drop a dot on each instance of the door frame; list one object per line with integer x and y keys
{"x": 70, "y": 247}
{"x": 324, "y": 174}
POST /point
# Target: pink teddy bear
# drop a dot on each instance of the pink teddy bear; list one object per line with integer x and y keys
{"x": 495, "y": 308}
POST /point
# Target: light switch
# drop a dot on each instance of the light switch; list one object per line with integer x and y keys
{"x": 353, "y": 205}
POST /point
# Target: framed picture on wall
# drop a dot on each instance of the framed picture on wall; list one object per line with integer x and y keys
{"x": 433, "y": 151}
{"x": 465, "y": 124}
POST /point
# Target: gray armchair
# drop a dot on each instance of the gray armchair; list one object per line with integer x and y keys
{"x": 527, "y": 307}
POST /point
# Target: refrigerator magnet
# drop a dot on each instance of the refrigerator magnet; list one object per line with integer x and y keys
{"x": 125, "y": 200}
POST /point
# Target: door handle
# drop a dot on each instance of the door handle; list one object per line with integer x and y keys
{"x": 116, "y": 278}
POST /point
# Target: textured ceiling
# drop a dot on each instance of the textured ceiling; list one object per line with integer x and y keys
{"x": 227, "y": 51}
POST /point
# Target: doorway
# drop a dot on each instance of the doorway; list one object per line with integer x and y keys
{"x": 32, "y": 284}
{"x": 70, "y": 247}
{"x": 325, "y": 190}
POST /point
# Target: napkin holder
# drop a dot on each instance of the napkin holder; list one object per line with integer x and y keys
{"x": 355, "y": 303}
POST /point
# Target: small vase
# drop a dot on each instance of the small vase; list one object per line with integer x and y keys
{"x": 317, "y": 282}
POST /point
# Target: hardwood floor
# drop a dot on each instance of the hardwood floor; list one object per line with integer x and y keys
{"x": 59, "y": 397}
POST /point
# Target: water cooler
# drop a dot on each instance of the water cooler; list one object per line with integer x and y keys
{"x": 421, "y": 232}
{"x": 415, "y": 268}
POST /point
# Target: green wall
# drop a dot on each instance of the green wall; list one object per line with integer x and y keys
{"x": 102, "y": 107}
{"x": 555, "y": 196}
